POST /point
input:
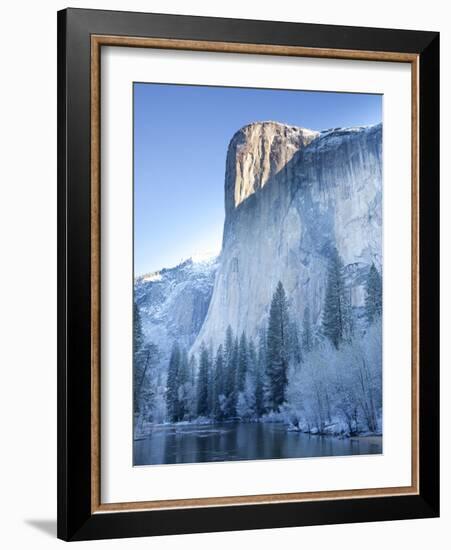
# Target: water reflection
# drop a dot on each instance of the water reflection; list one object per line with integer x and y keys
{"x": 240, "y": 441}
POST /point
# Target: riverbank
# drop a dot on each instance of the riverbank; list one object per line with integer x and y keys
{"x": 333, "y": 429}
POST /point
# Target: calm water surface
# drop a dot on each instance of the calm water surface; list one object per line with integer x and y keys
{"x": 241, "y": 441}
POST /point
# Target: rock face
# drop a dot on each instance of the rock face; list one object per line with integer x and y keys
{"x": 291, "y": 195}
{"x": 174, "y": 302}
{"x": 256, "y": 153}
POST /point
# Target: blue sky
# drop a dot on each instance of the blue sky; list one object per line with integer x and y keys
{"x": 181, "y": 134}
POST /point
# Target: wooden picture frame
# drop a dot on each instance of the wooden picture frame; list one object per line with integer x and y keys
{"x": 81, "y": 35}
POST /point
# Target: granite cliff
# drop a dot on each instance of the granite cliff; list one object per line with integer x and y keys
{"x": 291, "y": 195}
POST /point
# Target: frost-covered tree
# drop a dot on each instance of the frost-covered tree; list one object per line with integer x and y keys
{"x": 218, "y": 384}
{"x": 260, "y": 374}
{"x": 253, "y": 366}
{"x": 373, "y": 295}
{"x": 294, "y": 344}
{"x": 138, "y": 355}
{"x": 192, "y": 368}
{"x": 294, "y": 408}
{"x": 333, "y": 312}
{"x": 229, "y": 373}
{"x": 348, "y": 316}
{"x": 172, "y": 385}
{"x": 343, "y": 383}
{"x": 307, "y": 333}
{"x": 368, "y": 370}
{"x": 138, "y": 336}
{"x": 338, "y": 390}
{"x": 243, "y": 361}
{"x": 148, "y": 359}
{"x": 246, "y": 404}
{"x": 147, "y": 386}
{"x": 184, "y": 386}
{"x": 277, "y": 348}
{"x": 245, "y": 408}
{"x": 203, "y": 382}
{"x": 211, "y": 380}
{"x": 158, "y": 410}
{"x": 232, "y": 398}
{"x": 309, "y": 397}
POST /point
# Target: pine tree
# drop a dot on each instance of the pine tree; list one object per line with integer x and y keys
{"x": 295, "y": 355}
{"x": 260, "y": 375}
{"x": 138, "y": 355}
{"x": 277, "y": 348}
{"x": 348, "y": 318}
{"x": 252, "y": 357}
{"x": 138, "y": 336}
{"x": 184, "y": 386}
{"x": 192, "y": 368}
{"x": 233, "y": 369}
{"x": 202, "y": 382}
{"x": 172, "y": 385}
{"x": 242, "y": 363}
{"x": 146, "y": 387}
{"x": 251, "y": 385}
{"x": 218, "y": 383}
{"x": 333, "y": 314}
{"x": 211, "y": 380}
{"x": 373, "y": 295}
{"x": 230, "y": 373}
{"x": 307, "y": 334}
{"x": 158, "y": 411}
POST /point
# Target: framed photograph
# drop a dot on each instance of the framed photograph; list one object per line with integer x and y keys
{"x": 248, "y": 274}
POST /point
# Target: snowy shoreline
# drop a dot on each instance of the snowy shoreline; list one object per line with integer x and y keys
{"x": 328, "y": 431}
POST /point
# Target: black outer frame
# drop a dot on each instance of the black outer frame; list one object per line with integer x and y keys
{"x": 75, "y": 520}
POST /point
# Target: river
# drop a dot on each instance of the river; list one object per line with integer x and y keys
{"x": 176, "y": 444}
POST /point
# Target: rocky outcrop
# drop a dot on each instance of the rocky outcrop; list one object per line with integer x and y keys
{"x": 174, "y": 302}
